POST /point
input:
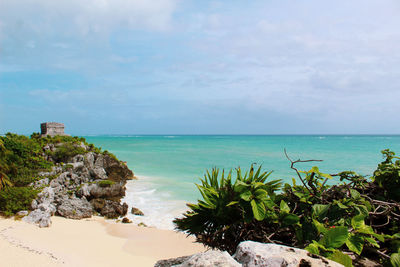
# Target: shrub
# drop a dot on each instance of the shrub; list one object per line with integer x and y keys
{"x": 67, "y": 151}
{"x": 230, "y": 211}
{"x": 356, "y": 217}
{"x": 387, "y": 175}
{"x": 21, "y": 159}
{"x": 14, "y": 199}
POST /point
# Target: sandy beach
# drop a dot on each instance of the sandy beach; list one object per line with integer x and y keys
{"x": 89, "y": 242}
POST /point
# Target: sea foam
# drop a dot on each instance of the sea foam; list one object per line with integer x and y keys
{"x": 158, "y": 207}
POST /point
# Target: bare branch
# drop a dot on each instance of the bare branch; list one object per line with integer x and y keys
{"x": 292, "y": 162}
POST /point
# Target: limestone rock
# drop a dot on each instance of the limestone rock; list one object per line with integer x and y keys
{"x": 112, "y": 191}
{"x": 45, "y": 222}
{"x": 171, "y": 262}
{"x": 68, "y": 189}
{"x": 252, "y": 254}
{"x": 98, "y": 171}
{"x": 211, "y": 258}
{"x": 116, "y": 170}
{"x": 109, "y": 208}
{"x": 136, "y": 211}
{"x": 89, "y": 160}
{"x": 40, "y": 217}
{"x": 41, "y": 183}
{"x": 75, "y": 208}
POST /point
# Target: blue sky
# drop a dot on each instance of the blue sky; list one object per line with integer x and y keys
{"x": 200, "y": 67}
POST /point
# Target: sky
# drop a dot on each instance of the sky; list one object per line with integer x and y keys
{"x": 200, "y": 67}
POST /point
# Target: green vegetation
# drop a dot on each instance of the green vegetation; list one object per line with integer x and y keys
{"x": 14, "y": 199}
{"x": 357, "y": 217}
{"x": 67, "y": 151}
{"x": 105, "y": 183}
{"x": 21, "y": 160}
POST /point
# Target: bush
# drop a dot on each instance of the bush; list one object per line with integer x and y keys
{"x": 356, "y": 217}
{"x": 105, "y": 183}
{"x": 230, "y": 211}
{"x": 387, "y": 175}
{"x": 21, "y": 159}
{"x": 67, "y": 151}
{"x": 14, "y": 199}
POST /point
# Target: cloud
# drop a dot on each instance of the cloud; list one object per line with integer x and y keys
{"x": 168, "y": 59}
{"x": 75, "y": 17}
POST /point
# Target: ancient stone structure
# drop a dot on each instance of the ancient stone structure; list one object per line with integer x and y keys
{"x": 52, "y": 129}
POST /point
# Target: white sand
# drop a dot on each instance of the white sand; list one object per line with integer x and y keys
{"x": 90, "y": 242}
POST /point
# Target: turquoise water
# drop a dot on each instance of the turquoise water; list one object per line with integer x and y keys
{"x": 169, "y": 166}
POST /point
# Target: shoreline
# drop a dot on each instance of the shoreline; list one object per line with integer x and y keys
{"x": 89, "y": 242}
{"x": 159, "y": 208}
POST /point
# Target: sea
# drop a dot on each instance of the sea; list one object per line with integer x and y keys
{"x": 169, "y": 166}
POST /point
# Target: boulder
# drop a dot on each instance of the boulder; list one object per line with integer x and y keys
{"x": 136, "y": 211}
{"x": 116, "y": 170}
{"x": 109, "y": 208}
{"x": 98, "y": 171}
{"x": 46, "y": 196}
{"x": 171, "y": 262}
{"x": 211, "y": 258}
{"x": 38, "y": 216}
{"x": 75, "y": 208}
{"x": 45, "y": 222}
{"x": 251, "y": 254}
{"x": 43, "y": 208}
{"x": 115, "y": 190}
{"x": 126, "y": 220}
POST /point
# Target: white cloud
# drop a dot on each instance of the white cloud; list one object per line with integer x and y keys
{"x": 77, "y": 17}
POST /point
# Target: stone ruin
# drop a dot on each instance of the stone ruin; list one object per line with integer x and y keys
{"x": 52, "y": 129}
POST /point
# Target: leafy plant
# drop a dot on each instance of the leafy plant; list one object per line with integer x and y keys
{"x": 14, "y": 199}
{"x": 228, "y": 209}
{"x": 66, "y": 151}
{"x": 354, "y": 217}
{"x": 387, "y": 175}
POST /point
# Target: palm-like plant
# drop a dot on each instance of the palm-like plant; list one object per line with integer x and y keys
{"x": 218, "y": 216}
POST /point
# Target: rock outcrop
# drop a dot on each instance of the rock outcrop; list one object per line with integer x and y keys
{"x": 252, "y": 254}
{"x": 86, "y": 183}
{"x": 171, "y": 262}
{"x": 210, "y": 258}
{"x": 75, "y": 208}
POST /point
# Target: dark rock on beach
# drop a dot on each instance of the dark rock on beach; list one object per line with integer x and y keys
{"x": 126, "y": 220}
{"x": 109, "y": 208}
{"x": 137, "y": 212}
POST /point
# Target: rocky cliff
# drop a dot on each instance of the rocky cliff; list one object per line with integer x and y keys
{"x": 85, "y": 184}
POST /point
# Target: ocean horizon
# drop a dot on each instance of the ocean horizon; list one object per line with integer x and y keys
{"x": 169, "y": 166}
